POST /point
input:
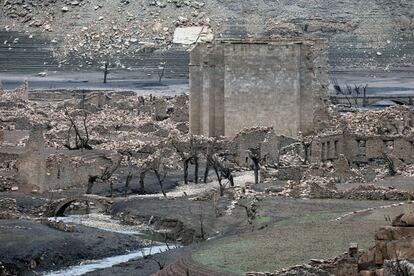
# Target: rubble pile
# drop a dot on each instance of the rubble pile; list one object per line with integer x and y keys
{"x": 394, "y": 121}
{"x": 319, "y": 187}
{"x": 104, "y": 29}
{"x": 59, "y": 225}
{"x": 372, "y": 192}
{"x": 358, "y": 148}
{"x": 109, "y": 124}
{"x": 292, "y": 155}
{"x": 398, "y": 267}
{"x": 8, "y": 209}
{"x": 302, "y": 270}
{"x": 21, "y": 93}
{"x": 7, "y": 183}
{"x": 393, "y": 245}
{"x": 315, "y": 187}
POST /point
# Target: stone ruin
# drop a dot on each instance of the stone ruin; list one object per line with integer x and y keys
{"x": 237, "y": 84}
{"x": 362, "y": 149}
{"x": 36, "y": 141}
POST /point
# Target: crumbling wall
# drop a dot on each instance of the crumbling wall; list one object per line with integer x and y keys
{"x": 52, "y": 170}
{"x": 394, "y": 243}
{"x": 263, "y": 138}
{"x": 361, "y": 148}
{"x": 36, "y": 140}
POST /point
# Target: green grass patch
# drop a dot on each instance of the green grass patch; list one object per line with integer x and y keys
{"x": 262, "y": 219}
{"x": 289, "y": 242}
{"x": 313, "y": 217}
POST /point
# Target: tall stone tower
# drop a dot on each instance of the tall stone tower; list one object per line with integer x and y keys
{"x": 236, "y": 84}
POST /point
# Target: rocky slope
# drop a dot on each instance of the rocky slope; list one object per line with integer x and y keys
{"x": 371, "y": 34}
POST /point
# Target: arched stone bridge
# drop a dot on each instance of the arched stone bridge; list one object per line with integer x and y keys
{"x": 57, "y": 207}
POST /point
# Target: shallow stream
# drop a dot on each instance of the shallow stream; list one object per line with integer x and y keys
{"x": 106, "y": 223}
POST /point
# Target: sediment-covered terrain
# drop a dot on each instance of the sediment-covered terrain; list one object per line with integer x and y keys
{"x": 363, "y": 35}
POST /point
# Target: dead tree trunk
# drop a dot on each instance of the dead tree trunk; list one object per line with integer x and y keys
{"x": 206, "y": 171}
{"x": 256, "y": 168}
{"x": 106, "y": 72}
{"x": 141, "y": 182}
{"x": 128, "y": 180}
{"x": 255, "y": 156}
{"x": 91, "y": 182}
{"x": 219, "y": 181}
{"x": 186, "y": 171}
{"x": 231, "y": 179}
{"x": 196, "y": 167}
{"x": 160, "y": 182}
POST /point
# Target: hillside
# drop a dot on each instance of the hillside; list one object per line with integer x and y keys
{"x": 363, "y": 35}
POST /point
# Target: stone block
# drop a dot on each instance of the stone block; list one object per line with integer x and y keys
{"x": 375, "y": 148}
{"x": 389, "y": 233}
{"x": 402, "y": 149}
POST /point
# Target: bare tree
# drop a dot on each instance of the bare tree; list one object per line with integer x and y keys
{"x": 189, "y": 148}
{"x": 352, "y": 93}
{"x": 221, "y": 166}
{"x": 161, "y": 71}
{"x": 106, "y": 71}
{"x": 201, "y": 219}
{"x": 106, "y": 174}
{"x": 159, "y": 258}
{"x": 307, "y": 145}
{"x": 339, "y": 91}
{"x": 81, "y": 134}
{"x": 251, "y": 211}
{"x": 142, "y": 181}
{"x": 160, "y": 162}
{"x": 128, "y": 156}
{"x": 212, "y": 146}
{"x": 255, "y": 156}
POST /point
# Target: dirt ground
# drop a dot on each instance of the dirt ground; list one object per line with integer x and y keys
{"x": 24, "y": 242}
{"x": 399, "y": 182}
{"x": 285, "y": 232}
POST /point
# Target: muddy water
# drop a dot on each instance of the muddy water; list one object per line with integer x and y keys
{"x": 89, "y": 266}
{"x": 106, "y": 223}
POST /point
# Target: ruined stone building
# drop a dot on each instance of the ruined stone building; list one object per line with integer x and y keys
{"x": 242, "y": 84}
{"x": 362, "y": 149}
{"x": 43, "y": 169}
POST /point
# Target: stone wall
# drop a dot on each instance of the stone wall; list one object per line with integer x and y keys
{"x": 58, "y": 169}
{"x": 265, "y": 139}
{"x": 361, "y": 149}
{"x": 244, "y": 84}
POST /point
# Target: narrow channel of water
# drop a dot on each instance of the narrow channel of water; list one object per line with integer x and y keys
{"x": 106, "y": 223}
{"x": 89, "y": 266}
{"x": 102, "y": 222}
